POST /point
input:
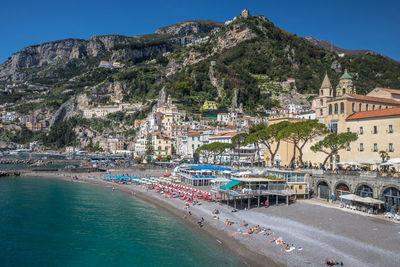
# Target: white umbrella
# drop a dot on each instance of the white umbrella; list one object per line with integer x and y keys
{"x": 371, "y": 200}
{"x": 351, "y": 197}
{"x": 394, "y": 161}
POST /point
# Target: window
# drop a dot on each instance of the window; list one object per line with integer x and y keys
{"x": 198, "y": 145}
{"x": 375, "y": 147}
{"x": 192, "y": 138}
{"x": 322, "y": 102}
{"x": 192, "y": 145}
{"x": 366, "y": 107}
{"x": 390, "y": 128}
{"x": 344, "y": 90}
{"x": 321, "y": 112}
{"x": 361, "y": 130}
{"x": 361, "y": 147}
{"x": 166, "y": 148}
{"x": 348, "y": 129}
{"x": 330, "y": 109}
{"x": 353, "y": 107}
{"x": 300, "y": 187}
{"x": 391, "y": 147}
{"x": 198, "y": 138}
{"x": 380, "y": 107}
{"x": 341, "y": 107}
{"x": 159, "y": 148}
{"x": 375, "y": 130}
{"x": 373, "y": 107}
{"x": 359, "y": 107}
{"x": 348, "y": 147}
{"x": 336, "y": 108}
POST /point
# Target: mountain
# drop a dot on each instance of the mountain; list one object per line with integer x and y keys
{"x": 246, "y": 61}
{"x": 338, "y": 50}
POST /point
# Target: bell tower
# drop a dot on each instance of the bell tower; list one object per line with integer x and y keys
{"x": 346, "y": 85}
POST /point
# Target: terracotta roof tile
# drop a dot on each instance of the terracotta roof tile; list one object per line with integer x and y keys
{"x": 230, "y": 134}
{"x": 194, "y": 133}
{"x": 374, "y": 113}
{"x": 375, "y": 99}
{"x": 393, "y": 91}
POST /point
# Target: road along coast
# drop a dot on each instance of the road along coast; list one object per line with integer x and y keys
{"x": 313, "y": 233}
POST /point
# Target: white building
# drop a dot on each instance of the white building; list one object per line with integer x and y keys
{"x": 223, "y": 118}
{"x": 307, "y": 116}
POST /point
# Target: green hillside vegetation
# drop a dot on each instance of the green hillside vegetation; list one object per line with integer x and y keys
{"x": 277, "y": 55}
{"x": 251, "y": 67}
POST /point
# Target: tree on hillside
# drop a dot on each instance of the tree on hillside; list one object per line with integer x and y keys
{"x": 219, "y": 149}
{"x": 204, "y": 149}
{"x": 269, "y": 136}
{"x": 384, "y": 155}
{"x": 238, "y": 141}
{"x": 332, "y": 143}
{"x": 299, "y": 134}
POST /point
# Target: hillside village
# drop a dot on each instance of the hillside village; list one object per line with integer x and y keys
{"x": 196, "y": 97}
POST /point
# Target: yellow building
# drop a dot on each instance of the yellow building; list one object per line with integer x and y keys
{"x": 209, "y": 105}
{"x": 162, "y": 145}
{"x": 139, "y": 123}
{"x": 378, "y": 130}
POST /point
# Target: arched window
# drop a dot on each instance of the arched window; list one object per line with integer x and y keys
{"x": 366, "y": 107}
{"x": 344, "y": 91}
{"x": 341, "y": 107}
{"x": 359, "y": 107}
{"x": 336, "y": 108}
{"x": 330, "y": 109}
{"x": 353, "y": 107}
{"x": 373, "y": 107}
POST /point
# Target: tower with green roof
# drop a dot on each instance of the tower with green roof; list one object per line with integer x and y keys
{"x": 346, "y": 85}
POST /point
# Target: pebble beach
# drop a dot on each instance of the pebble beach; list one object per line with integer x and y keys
{"x": 313, "y": 232}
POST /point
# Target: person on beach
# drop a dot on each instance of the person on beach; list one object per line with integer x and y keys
{"x": 244, "y": 224}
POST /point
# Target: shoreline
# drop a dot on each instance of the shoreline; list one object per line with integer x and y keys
{"x": 315, "y": 232}
{"x": 247, "y": 256}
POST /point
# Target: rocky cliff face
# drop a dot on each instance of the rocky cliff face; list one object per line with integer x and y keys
{"x": 191, "y": 27}
{"x": 20, "y": 66}
{"x": 51, "y": 52}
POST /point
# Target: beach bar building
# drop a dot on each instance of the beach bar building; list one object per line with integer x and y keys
{"x": 249, "y": 188}
{"x": 200, "y": 175}
{"x": 296, "y": 180}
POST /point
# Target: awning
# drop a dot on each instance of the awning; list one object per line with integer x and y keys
{"x": 230, "y": 185}
{"x": 208, "y": 167}
{"x": 367, "y": 200}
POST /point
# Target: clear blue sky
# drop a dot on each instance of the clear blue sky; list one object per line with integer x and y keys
{"x": 354, "y": 24}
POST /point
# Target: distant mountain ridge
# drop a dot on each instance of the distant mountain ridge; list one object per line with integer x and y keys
{"x": 338, "y": 50}
{"x": 245, "y": 61}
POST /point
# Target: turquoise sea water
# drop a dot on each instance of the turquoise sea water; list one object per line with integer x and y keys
{"x": 46, "y": 222}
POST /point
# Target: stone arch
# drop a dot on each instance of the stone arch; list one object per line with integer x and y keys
{"x": 391, "y": 195}
{"x": 388, "y": 186}
{"x": 341, "y": 187}
{"x": 364, "y": 190}
{"x": 323, "y": 189}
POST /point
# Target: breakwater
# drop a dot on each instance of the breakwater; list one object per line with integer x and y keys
{"x": 39, "y": 162}
{"x": 9, "y": 173}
